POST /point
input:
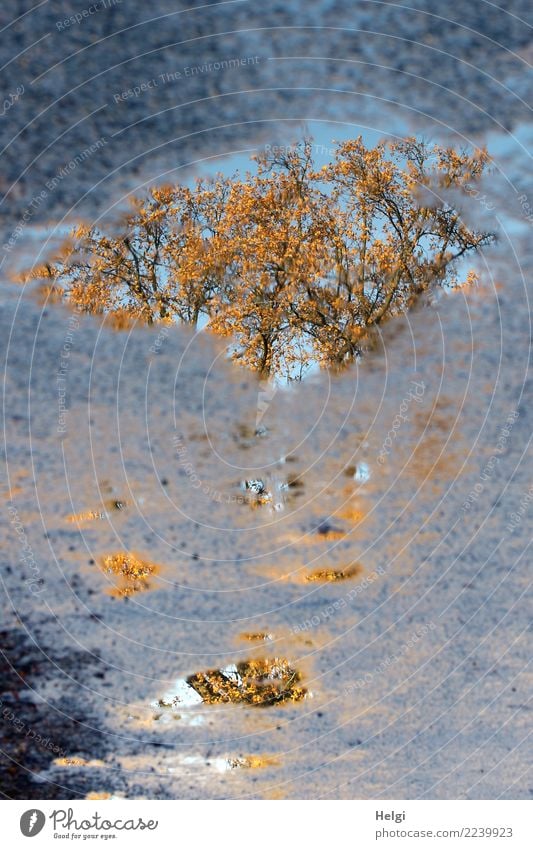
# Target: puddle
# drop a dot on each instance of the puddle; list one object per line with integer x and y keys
{"x": 362, "y": 473}
{"x": 257, "y": 492}
{"x": 77, "y": 762}
{"x": 259, "y": 683}
{"x": 332, "y": 575}
{"x": 270, "y": 490}
{"x": 228, "y": 764}
{"x": 102, "y": 796}
{"x": 133, "y": 573}
{"x": 255, "y": 636}
{"x": 94, "y": 515}
{"x": 252, "y": 762}
{"x": 86, "y": 516}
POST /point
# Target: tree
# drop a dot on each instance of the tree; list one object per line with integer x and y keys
{"x": 277, "y": 246}
{"x": 156, "y": 267}
{"x": 395, "y": 236}
{"x": 292, "y": 263}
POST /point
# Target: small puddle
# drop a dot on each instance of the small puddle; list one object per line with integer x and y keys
{"x": 272, "y": 490}
{"x": 255, "y": 636}
{"x": 112, "y": 505}
{"x": 259, "y": 683}
{"x": 101, "y": 796}
{"x": 77, "y": 762}
{"x": 228, "y": 764}
{"x": 332, "y": 575}
{"x": 133, "y": 574}
{"x": 252, "y": 762}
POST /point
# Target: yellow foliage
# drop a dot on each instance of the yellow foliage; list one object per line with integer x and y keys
{"x": 293, "y": 264}
{"x": 133, "y": 574}
{"x": 254, "y": 682}
{"x": 333, "y": 575}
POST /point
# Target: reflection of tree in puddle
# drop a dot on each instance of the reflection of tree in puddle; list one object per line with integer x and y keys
{"x": 324, "y": 575}
{"x": 77, "y": 762}
{"x": 98, "y": 796}
{"x": 255, "y": 636}
{"x": 228, "y": 764}
{"x": 329, "y": 573}
{"x": 86, "y": 516}
{"x": 132, "y": 572}
{"x": 360, "y": 473}
{"x": 272, "y": 490}
{"x": 260, "y": 683}
{"x": 252, "y": 762}
{"x": 92, "y": 515}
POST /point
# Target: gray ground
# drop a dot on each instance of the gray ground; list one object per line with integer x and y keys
{"x": 417, "y": 669}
